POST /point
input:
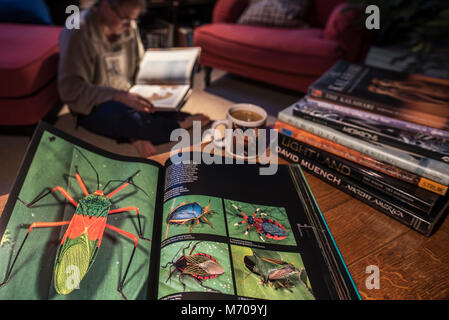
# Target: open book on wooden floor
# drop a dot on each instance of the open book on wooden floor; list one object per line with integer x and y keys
{"x": 165, "y": 76}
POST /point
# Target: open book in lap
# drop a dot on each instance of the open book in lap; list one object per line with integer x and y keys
{"x": 165, "y": 76}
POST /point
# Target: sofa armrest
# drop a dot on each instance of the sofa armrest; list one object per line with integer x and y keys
{"x": 346, "y": 27}
{"x": 228, "y": 11}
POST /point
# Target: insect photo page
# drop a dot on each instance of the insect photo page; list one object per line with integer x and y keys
{"x": 81, "y": 223}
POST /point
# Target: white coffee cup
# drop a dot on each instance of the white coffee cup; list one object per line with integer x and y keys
{"x": 244, "y": 120}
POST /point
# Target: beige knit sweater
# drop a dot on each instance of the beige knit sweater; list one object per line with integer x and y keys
{"x": 91, "y": 68}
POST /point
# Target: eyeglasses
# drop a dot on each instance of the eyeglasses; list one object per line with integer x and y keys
{"x": 123, "y": 20}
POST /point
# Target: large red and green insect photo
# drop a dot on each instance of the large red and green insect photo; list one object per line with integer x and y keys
{"x": 81, "y": 227}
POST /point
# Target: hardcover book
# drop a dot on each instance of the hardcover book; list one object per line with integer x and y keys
{"x": 82, "y": 223}
{"x": 355, "y": 124}
{"x": 411, "y": 97}
{"x": 165, "y": 76}
{"x": 409, "y": 195}
{"x": 385, "y": 198}
{"x": 428, "y": 173}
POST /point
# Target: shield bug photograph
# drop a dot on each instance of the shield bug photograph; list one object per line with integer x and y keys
{"x": 265, "y": 274}
{"x": 193, "y": 214}
{"x": 81, "y": 226}
{"x": 195, "y": 266}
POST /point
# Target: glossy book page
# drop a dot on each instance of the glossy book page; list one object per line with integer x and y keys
{"x": 229, "y": 233}
{"x": 73, "y": 221}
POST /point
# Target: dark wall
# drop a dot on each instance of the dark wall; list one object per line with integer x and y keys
{"x": 57, "y": 9}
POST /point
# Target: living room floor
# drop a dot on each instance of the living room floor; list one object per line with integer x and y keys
{"x": 225, "y": 90}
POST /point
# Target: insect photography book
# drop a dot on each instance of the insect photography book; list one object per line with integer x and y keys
{"x": 81, "y": 223}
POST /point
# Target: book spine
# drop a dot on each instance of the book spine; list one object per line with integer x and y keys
{"x": 368, "y": 196}
{"x": 431, "y": 169}
{"x": 360, "y": 158}
{"x": 358, "y": 131}
{"x": 388, "y": 111}
{"x": 340, "y": 275}
{"x": 386, "y": 121}
{"x": 295, "y": 151}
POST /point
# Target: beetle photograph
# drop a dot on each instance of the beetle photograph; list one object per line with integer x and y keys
{"x": 195, "y": 266}
{"x": 81, "y": 227}
{"x": 265, "y": 274}
{"x": 193, "y": 214}
{"x": 258, "y": 223}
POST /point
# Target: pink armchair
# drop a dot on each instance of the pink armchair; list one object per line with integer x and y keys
{"x": 290, "y": 58}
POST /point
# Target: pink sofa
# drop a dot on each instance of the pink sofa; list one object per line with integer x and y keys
{"x": 28, "y": 68}
{"x": 290, "y": 58}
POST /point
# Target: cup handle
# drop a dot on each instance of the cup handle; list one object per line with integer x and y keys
{"x": 220, "y": 142}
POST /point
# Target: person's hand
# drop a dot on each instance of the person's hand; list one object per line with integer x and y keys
{"x": 187, "y": 123}
{"x": 135, "y": 101}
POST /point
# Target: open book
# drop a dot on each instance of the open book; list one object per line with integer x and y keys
{"x": 82, "y": 223}
{"x": 165, "y": 76}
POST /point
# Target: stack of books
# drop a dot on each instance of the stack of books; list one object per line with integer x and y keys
{"x": 379, "y": 135}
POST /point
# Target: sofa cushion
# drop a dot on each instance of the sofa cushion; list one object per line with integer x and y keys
{"x": 351, "y": 36}
{"x": 228, "y": 11}
{"x": 296, "y": 51}
{"x": 283, "y": 79}
{"x": 29, "y": 58}
{"x": 319, "y": 11}
{"x": 25, "y": 11}
{"x": 30, "y": 109}
{"x": 275, "y": 13}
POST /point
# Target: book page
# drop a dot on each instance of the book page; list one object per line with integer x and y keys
{"x": 240, "y": 230}
{"x": 167, "y": 66}
{"x": 163, "y": 97}
{"x": 98, "y": 193}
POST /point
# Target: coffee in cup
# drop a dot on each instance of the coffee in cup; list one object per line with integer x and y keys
{"x": 243, "y": 122}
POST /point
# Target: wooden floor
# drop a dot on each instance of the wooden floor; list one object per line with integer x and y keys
{"x": 411, "y": 266}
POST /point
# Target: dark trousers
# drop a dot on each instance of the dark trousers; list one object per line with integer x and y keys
{"x": 118, "y": 121}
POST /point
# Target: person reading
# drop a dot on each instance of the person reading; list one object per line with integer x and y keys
{"x": 97, "y": 67}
